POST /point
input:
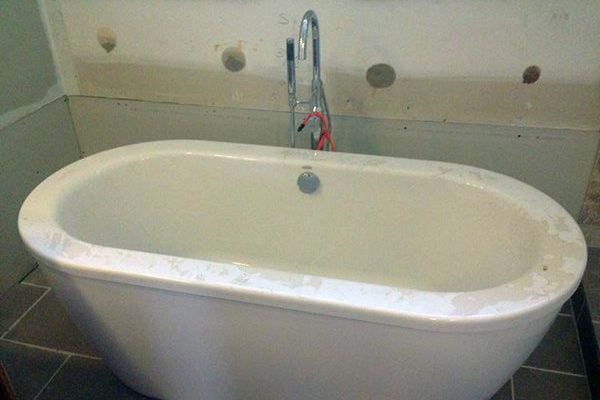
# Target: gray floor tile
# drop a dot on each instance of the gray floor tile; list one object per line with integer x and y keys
{"x": 82, "y": 378}
{"x": 559, "y": 350}
{"x": 505, "y": 392}
{"x": 593, "y": 302}
{"x": 531, "y": 384}
{"x": 47, "y": 324}
{"x": 28, "y": 369}
{"x": 37, "y": 277}
{"x": 15, "y": 302}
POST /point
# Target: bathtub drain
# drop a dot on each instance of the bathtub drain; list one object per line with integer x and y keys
{"x": 308, "y": 182}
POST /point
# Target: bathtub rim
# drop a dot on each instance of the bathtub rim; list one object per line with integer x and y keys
{"x": 447, "y": 324}
{"x": 37, "y": 220}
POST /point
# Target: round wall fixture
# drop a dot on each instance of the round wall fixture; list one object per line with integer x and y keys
{"x": 233, "y": 59}
{"x": 531, "y": 74}
{"x": 381, "y": 76}
{"x": 107, "y": 38}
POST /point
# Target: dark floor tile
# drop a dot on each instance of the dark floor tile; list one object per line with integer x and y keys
{"x": 505, "y": 392}
{"x": 15, "y": 302}
{"x": 83, "y": 378}
{"x": 597, "y": 332}
{"x": 532, "y": 384}
{"x": 594, "y": 251}
{"x": 28, "y": 369}
{"x": 589, "y": 349}
{"x": 37, "y": 277}
{"x": 567, "y": 309}
{"x": 578, "y": 301}
{"x": 48, "y": 325}
{"x": 593, "y": 303}
{"x": 559, "y": 350}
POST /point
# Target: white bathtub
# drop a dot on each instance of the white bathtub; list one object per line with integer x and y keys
{"x": 201, "y": 271}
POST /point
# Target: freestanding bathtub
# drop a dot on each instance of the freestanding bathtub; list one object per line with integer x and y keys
{"x": 201, "y": 271}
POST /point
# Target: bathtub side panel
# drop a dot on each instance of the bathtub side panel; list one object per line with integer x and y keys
{"x": 178, "y": 346}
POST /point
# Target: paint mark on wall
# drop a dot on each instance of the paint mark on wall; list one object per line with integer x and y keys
{"x": 107, "y": 38}
{"x": 283, "y": 19}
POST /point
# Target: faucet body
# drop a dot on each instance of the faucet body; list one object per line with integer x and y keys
{"x": 318, "y": 101}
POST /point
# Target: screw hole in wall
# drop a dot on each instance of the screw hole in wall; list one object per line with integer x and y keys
{"x": 381, "y": 76}
{"x": 106, "y": 38}
{"x": 531, "y": 74}
{"x": 233, "y": 59}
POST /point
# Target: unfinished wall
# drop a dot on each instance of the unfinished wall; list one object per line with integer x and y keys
{"x": 457, "y": 61}
{"x": 30, "y": 150}
{"x": 28, "y": 79}
{"x": 36, "y": 133}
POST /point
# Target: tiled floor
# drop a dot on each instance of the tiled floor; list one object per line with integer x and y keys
{"x": 43, "y": 352}
{"x": 47, "y": 358}
{"x": 591, "y": 284}
{"x": 587, "y": 300}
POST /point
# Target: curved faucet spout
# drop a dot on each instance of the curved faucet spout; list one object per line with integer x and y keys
{"x": 310, "y": 19}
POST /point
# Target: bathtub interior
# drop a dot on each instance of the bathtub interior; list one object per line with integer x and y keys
{"x": 392, "y": 228}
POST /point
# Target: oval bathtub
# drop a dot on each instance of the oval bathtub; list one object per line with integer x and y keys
{"x": 201, "y": 271}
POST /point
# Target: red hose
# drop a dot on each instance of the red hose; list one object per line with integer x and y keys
{"x": 325, "y": 134}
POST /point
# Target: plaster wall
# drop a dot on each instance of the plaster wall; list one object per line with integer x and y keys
{"x": 456, "y": 61}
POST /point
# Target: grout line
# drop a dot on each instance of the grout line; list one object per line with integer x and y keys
{"x": 74, "y": 126}
{"x": 38, "y": 347}
{"x": 564, "y": 315}
{"x": 553, "y": 371}
{"x": 512, "y": 389}
{"x": 35, "y": 285}
{"x": 52, "y": 377}
{"x": 25, "y": 313}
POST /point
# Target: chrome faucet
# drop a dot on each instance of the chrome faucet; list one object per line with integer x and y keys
{"x": 311, "y": 18}
{"x": 318, "y": 101}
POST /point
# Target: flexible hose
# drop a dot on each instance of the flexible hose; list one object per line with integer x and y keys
{"x": 325, "y": 134}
